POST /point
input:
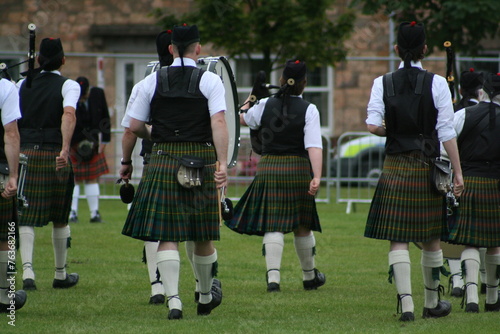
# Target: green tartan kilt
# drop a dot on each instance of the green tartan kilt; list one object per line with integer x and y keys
{"x": 277, "y": 199}
{"x": 404, "y": 207}
{"x": 48, "y": 192}
{"x": 477, "y": 220}
{"x": 8, "y": 216}
{"x": 164, "y": 210}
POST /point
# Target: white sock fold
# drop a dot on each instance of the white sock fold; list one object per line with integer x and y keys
{"x": 470, "y": 258}
{"x": 60, "y": 237}
{"x": 151, "y": 248}
{"x": 26, "y": 244}
{"x": 168, "y": 262}
{"x": 491, "y": 263}
{"x": 204, "y": 269}
{"x": 429, "y": 261}
{"x": 401, "y": 266}
{"x": 4, "y": 284}
{"x": 304, "y": 247}
{"x": 274, "y": 242}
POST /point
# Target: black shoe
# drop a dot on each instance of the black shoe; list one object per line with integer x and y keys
{"x": 96, "y": 218}
{"x": 442, "y": 309}
{"x": 70, "y": 281}
{"x": 407, "y": 316}
{"x": 472, "y": 308}
{"x": 73, "y": 218}
{"x": 457, "y": 292}
{"x": 206, "y": 309}
{"x": 493, "y": 307}
{"x": 216, "y": 284}
{"x": 19, "y": 299}
{"x": 29, "y": 284}
{"x": 318, "y": 280}
{"x": 174, "y": 314}
{"x": 273, "y": 287}
{"x": 157, "y": 299}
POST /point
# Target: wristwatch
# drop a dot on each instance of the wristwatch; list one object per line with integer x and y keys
{"x": 125, "y": 162}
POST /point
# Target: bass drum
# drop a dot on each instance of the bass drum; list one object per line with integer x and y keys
{"x": 220, "y": 66}
{"x": 450, "y": 251}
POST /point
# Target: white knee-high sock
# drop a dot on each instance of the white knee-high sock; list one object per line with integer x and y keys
{"x": 492, "y": 262}
{"x": 92, "y": 195}
{"x": 168, "y": 262}
{"x": 456, "y": 271}
{"x": 204, "y": 271}
{"x": 482, "y": 265}
{"x": 74, "y": 201}
{"x": 401, "y": 266}
{"x": 304, "y": 247}
{"x": 274, "y": 242}
{"x": 431, "y": 260}
{"x": 60, "y": 237}
{"x": 151, "y": 248}
{"x": 4, "y": 284}
{"x": 470, "y": 258}
{"x": 190, "y": 253}
{"x": 26, "y": 244}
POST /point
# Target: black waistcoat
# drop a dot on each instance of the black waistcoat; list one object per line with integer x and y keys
{"x": 42, "y": 109}
{"x": 284, "y": 135}
{"x": 410, "y": 114}
{"x": 179, "y": 111}
{"x": 479, "y": 142}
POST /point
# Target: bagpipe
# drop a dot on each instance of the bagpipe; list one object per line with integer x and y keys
{"x": 260, "y": 90}
{"x": 31, "y": 59}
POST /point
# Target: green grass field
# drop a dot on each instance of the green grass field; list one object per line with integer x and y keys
{"x": 113, "y": 293}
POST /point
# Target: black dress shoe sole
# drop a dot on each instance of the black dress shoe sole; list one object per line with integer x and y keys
{"x": 441, "y": 310}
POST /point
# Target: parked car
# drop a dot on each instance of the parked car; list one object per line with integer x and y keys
{"x": 359, "y": 158}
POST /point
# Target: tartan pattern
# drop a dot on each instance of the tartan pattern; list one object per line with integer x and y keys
{"x": 49, "y": 192}
{"x": 89, "y": 170}
{"x": 404, "y": 207}
{"x": 164, "y": 210}
{"x": 7, "y": 215}
{"x": 277, "y": 199}
{"x": 477, "y": 219}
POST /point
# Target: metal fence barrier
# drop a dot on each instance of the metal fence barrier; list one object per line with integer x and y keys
{"x": 357, "y": 165}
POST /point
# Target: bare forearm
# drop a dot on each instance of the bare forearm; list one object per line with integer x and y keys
{"x": 128, "y": 143}
{"x": 220, "y": 137}
{"x": 11, "y": 140}
{"x": 316, "y": 158}
{"x": 68, "y": 122}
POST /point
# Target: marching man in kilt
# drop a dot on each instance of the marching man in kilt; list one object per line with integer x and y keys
{"x": 280, "y": 199}
{"x": 418, "y": 112}
{"x": 92, "y": 133}
{"x": 477, "y": 222}
{"x": 9, "y": 154}
{"x": 48, "y": 122}
{"x": 185, "y": 106}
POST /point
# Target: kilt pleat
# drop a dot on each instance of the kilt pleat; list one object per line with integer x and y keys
{"x": 7, "y": 216}
{"x": 164, "y": 210}
{"x": 48, "y": 192}
{"x": 477, "y": 219}
{"x": 277, "y": 199}
{"x": 89, "y": 170}
{"x": 404, "y": 207}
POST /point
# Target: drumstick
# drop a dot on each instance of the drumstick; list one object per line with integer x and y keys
{"x": 218, "y": 196}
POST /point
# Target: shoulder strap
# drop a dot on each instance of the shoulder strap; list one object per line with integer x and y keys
{"x": 193, "y": 82}
{"x": 389, "y": 84}
{"x": 162, "y": 78}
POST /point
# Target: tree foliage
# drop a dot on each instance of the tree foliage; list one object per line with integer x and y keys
{"x": 276, "y": 30}
{"x": 463, "y": 22}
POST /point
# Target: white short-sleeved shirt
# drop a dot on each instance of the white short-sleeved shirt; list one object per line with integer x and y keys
{"x": 210, "y": 86}
{"x": 9, "y": 102}
{"x": 70, "y": 91}
{"x": 312, "y": 129}
{"x": 442, "y": 101}
{"x": 133, "y": 95}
